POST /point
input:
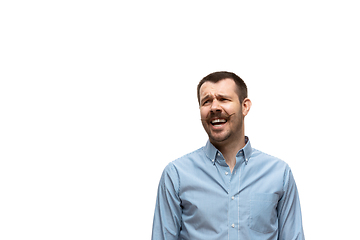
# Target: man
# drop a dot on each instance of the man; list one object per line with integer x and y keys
{"x": 226, "y": 189}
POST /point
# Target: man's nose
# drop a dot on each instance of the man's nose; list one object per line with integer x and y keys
{"x": 215, "y": 106}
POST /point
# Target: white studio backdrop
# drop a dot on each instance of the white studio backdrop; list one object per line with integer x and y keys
{"x": 97, "y": 97}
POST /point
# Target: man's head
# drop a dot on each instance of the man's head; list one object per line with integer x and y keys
{"x": 223, "y": 104}
{"x": 215, "y": 77}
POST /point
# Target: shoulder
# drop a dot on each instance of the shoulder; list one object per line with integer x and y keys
{"x": 190, "y": 159}
{"x": 264, "y": 158}
{"x": 186, "y": 160}
{"x": 182, "y": 166}
{"x": 269, "y": 167}
{"x": 266, "y": 162}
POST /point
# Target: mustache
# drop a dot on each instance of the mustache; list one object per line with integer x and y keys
{"x": 211, "y": 115}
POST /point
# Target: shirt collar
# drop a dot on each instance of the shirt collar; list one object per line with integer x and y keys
{"x": 211, "y": 151}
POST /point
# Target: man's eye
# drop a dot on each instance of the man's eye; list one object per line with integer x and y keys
{"x": 206, "y": 102}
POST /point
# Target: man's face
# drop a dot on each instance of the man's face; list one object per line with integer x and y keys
{"x": 221, "y": 111}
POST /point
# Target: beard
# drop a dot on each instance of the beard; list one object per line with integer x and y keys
{"x": 219, "y": 138}
{"x": 231, "y": 129}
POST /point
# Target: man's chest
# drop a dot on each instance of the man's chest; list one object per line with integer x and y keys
{"x": 224, "y": 201}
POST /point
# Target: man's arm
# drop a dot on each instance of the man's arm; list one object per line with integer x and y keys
{"x": 167, "y": 217}
{"x": 289, "y": 212}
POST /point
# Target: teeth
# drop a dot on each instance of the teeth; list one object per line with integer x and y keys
{"x": 218, "y": 121}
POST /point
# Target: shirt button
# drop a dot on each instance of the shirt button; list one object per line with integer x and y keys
{"x": 232, "y": 197}
{"x": 233, "y": 225}
{"x": 226, "y": 173}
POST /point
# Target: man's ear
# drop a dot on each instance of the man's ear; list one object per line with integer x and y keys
{"x": 246, "y": 105}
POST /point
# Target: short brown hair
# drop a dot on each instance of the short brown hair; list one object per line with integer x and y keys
{"x": 217, "y": 76}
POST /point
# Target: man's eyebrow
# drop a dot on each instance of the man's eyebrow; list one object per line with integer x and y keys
{"x": 222, "y": 96}
{"x": 207, "y": 96}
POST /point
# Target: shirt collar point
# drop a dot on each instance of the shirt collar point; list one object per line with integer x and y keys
{"x": 211, "y": 151}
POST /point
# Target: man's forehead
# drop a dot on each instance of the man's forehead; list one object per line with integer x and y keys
{"x": 222, "y": 87}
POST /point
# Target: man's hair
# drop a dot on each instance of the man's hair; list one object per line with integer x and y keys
{"x": 218, "y": 76}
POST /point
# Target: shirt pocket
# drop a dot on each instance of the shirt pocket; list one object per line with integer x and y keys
{"x": 263, "y": 213}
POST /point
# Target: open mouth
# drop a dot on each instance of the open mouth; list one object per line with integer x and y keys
{"x": 218, "y": 122}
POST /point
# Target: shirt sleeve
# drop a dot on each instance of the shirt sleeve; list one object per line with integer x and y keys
{"x": 167, "y": 217}
{"x": 289, "y": 212}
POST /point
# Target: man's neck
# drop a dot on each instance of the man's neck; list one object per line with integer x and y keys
{"x": 229, "y": 149}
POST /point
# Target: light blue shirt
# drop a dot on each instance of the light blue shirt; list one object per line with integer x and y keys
{"x": 200, "y": 199}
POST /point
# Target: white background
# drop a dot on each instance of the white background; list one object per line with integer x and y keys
{"x": 96, "y": 97}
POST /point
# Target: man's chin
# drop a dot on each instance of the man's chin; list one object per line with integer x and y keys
{"x": 219, "y": 138}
